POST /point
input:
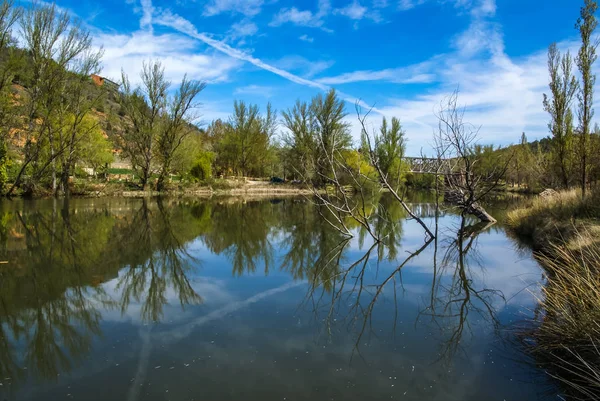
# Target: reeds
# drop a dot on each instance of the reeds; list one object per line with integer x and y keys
{"x": 565, "y": 339}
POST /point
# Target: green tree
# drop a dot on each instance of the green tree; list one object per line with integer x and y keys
{"x": 246, "y": 143}
{"x": 177, "y": 126}
{"x": 95, "y": 150}
{"x": 60, "y": 59}
{"x": 331, "y": 133}
{"x": 300, "y": 139}
{"x": 202, "y": 168}
{"x": 159, "y": 123}
{"x": 563, "y": 87}
{"x": 390, "y": 146}
{"x": 586, "y": 24}
{"x": 143, "y": 106}
{"x": 9, "y": 15}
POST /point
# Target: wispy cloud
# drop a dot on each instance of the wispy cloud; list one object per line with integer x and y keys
{"x": 256, "y": 90}
{"x": 419, "y": 73}
{"x": 303, "y": 66}
{"x": 147, "y": 10}
{"x": 180, "y": 24}
{"x": 248, "y": 8}
{"x": 177, "y": 53}
{"x": 174, "y": 21}
{"x": 242, "y": 29}
{"x": 353, "y": 11}
{"x": 405, "y": 5}
{"x": 305, "y": 18}
{"x": 307, "y": 38}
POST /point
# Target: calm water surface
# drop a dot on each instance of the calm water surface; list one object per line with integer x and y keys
{"x": 117, "y": 299}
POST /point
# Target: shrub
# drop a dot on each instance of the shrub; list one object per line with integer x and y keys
{"x": 202, "y": 168}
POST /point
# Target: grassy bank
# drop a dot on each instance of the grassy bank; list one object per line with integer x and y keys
{"x": 564, "y": 218}
{"x": 564, "y": 337}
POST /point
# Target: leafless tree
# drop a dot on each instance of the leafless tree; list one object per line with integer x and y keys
{"x": 456, "y": 139}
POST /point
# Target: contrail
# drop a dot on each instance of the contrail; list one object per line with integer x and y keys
{"x": 140, "y": 375}
{"x": 184, "y": 26}
{"x": 185, "y": 330}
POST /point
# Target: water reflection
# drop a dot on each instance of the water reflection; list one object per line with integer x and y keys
{"x": 453, "y": 299}
{"x": 72, "y": 264}
{"x": 159, "y": 261}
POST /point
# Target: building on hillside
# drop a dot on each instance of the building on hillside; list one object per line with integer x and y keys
{"x": 101, "y": 81}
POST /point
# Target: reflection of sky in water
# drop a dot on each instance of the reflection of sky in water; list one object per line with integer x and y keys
{"x": 267, "y": 337}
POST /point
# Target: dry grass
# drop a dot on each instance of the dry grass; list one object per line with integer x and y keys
{"x": 566, "y": 218}
{"x": 565, "y": 228}
{"x": 565, "y": 338}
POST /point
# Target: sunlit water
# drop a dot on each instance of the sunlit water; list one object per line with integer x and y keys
{"x": 114, "y": 299}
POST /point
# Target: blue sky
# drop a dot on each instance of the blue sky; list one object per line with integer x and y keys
{"x": 402, "y": 56}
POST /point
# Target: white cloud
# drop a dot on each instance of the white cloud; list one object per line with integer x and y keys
{"x": 256, "y": 90}
{"x": 307, "y": 38}
{"x": 419, "y": 73}
{"x": 380, "y": 3}
{"x": 353, "y": 11}
{"x": 404, "y": 5}
{"x": 182, "y": 25}
{"x": 303, "y": 66}
{"x": 242, "y": 29}
{"x": 174, "y": 21}
{"x": 147, "y": 10}
{"x": 303, "y": 17}
{"x": 177, "y": 53}
{"x": 248, "y": 8}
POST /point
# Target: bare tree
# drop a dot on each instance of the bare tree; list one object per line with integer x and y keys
{"x": 457, "y": 139}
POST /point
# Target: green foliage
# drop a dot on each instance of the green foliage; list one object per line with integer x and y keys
{"x": 245, "y": 145}
{"x": 96, "y": 149}
{"x": 563, "y": 86}
{"x": 202, "y": 168}
{"x": 4, "y": 166}
{"x": 317, "y": 135}
{"x": 359, "y": 173}
{"x": 390, "y": 146}
{"x": 421, "y": 181}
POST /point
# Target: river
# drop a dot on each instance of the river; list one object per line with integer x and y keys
{"x": 229, "y": 299}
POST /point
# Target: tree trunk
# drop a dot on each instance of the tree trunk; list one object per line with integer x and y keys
{"x": 457, "y": 198}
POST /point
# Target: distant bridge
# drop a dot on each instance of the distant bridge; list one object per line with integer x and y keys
{"x": 429, "y": 165}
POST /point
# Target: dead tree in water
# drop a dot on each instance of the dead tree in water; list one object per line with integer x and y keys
{"x": 466, "y": 185}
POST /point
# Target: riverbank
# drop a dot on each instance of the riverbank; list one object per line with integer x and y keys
{"x": 564, "y": 230}
{"x": 242, "y": 188}
{"x": 560, "y": 218}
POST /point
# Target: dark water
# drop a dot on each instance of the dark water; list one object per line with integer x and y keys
{"x": 118, "y": 299}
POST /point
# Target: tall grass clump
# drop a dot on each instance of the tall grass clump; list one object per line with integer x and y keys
{"x": 565, "y": 339}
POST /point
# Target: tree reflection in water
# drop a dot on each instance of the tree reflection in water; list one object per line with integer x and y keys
{"x": 51, "y": 297}
{"x": 451, "y": 302}
{"x": 52, "y": 294}
{"x": 454, "y": 290}
{"x": 160, "y": 263}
